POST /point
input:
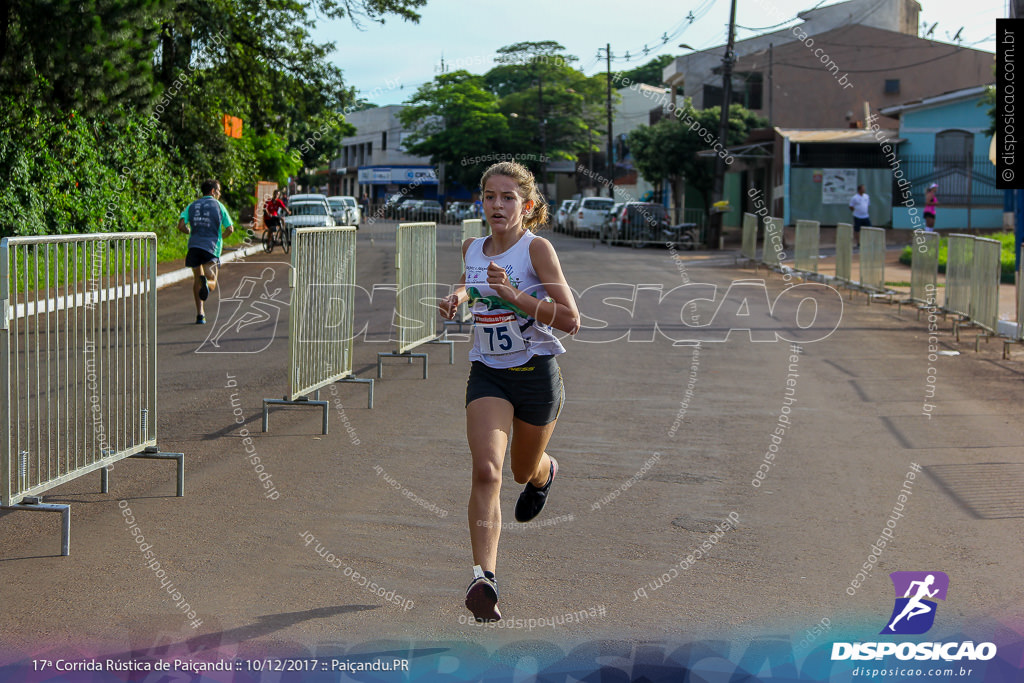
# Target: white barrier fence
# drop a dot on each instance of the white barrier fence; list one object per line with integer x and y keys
{"x": 471, "y": 229}
{"x": 805, "y": 250}
{"x": 77, "y": 362}
{"x": 322, "y": 320}
{"x": 415, "y": 305}
{"x": 844, "y": 252}
{"x": 748, "y": 247}
{"x": 773, "y": 243}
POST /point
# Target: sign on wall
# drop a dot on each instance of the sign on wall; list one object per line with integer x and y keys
{"x": 838, "y": 185}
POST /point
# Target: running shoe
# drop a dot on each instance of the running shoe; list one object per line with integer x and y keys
{"x": 204, "y": 289}
{"x": 531, "y": 500}
{"x": 482, "y": 596}
{"x": 200, "y": 320}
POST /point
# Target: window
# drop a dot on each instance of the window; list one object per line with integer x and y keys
{"x": 954, "y": 151}
{"x": 383, "y": 140}
{"x": 747, "y": 89}
{"x": 892, "y": 86}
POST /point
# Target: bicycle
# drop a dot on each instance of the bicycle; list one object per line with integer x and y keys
{"x": 276, "y": 232}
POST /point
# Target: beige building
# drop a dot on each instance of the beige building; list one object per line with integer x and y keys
{"x": 828, "y": 81}
{"x": 698, "y": 75}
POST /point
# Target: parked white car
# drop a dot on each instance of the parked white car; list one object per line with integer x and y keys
{"x": 563, "y": 214}
{"x": 309, "y": 211}
{"x": 589, "y": 216}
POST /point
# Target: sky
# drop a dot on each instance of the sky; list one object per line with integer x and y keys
{"x": 388, "y": 63}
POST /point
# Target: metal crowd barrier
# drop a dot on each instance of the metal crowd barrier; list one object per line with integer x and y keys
{"x": 805, "y": 251}
{"x": 958, "y": 275}
{"x": 472, "y": 228}
{"x": 924, "y": 270}
{"x": 77, "y": 363}
{"x": 322, "y": 320}
{"x": 415, "y": 307}
{"x": 872, "y": 260}
{"x": 1018, "y": 336}
{"x": 844, "y": 253}
{"x": 748, "y": 250}
{"x": 773, "y": 244}
{"x": 985, "y": 274}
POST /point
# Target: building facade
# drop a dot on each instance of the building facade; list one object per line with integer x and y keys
{"x": 944, "y": 141}
{"x": 373, "y": 161}
{"x": 829, "y": 81}
{"x": 698, "y": 75}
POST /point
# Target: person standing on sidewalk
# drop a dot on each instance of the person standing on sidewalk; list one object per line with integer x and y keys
{"x": 930, "y": 203}
{"x": 859, "y": 205}
{"x": 206, "y": 222}
{"x": 518, "y": 297}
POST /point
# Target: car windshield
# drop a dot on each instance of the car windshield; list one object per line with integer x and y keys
{"x": 336, "y": 203}
{"x": 308, "y": 209}
{"x": 598, "y": 204}
{"x": 351, "y": 201}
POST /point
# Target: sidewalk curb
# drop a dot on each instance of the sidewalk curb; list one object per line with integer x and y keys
{"x": 175, "y": 276}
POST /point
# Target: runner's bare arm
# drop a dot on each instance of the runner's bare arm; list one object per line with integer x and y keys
{"x": 183, "y": 226}
{"x": 561, "y": 313}
{"x": 448, "y": 304}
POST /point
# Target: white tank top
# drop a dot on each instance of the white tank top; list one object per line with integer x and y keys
{"x": 505, "y": 336}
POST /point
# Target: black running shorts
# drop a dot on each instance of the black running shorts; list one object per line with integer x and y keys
{"x": 534, "y": 388}
{"x": 196, "y": 257}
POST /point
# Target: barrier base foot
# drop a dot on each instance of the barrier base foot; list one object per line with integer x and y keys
{"x": 451, "y": 349}
{"x": 394, "y": 354}
{"x": 304, "y": 401}
{"x": 361, "y": 380}
{"x": 179, "y": 458}
{"x": 35, "y": 504}
{"x": 151, "y": 453}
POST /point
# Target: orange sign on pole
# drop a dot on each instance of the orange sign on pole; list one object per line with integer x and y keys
{"x": 232, "y": 126}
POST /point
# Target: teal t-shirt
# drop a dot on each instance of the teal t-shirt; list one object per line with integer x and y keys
{"x": 206, "y": 216}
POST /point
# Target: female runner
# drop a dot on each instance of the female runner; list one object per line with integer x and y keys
{"x": 518, "y": 297}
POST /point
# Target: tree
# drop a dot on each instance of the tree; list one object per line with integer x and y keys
{"x": 90, "y": 56}
{"x": 667, "y": 151}
{"x": 649, "y": 73}
{"x": 455, "y": 121}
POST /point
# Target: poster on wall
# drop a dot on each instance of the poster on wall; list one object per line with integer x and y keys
{"x": 838, "y": 185}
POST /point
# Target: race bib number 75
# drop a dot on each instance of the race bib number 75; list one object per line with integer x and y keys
{"x": 498, "y": 333}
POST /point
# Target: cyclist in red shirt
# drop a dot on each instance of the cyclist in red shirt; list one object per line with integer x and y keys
{"x": 271, "y": 211}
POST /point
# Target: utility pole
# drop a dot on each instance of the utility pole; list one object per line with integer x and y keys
{"x": 543, "y": 137}
{"x": 715, "y": 233}
{"x": 611, "y": 144}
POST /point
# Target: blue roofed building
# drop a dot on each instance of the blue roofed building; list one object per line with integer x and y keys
{"x": 943, "y": 141}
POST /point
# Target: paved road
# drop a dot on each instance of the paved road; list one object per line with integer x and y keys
{"x": 659, "y": 446}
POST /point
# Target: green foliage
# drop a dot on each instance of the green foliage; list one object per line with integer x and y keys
{"x": 668, "y": 149}
{"x": 1006, "y": 257}
{"x": 534, "y": 106}
{"x": 456, "y": 121}
{"x": 72, "y": 175}
{"x": 90, "y": 56}
{"x": 110, "y": 110}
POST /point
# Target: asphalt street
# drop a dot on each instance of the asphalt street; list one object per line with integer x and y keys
{"x": 659, "y": 527}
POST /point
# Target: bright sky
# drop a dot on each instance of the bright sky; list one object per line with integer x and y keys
{"x": 395, "y": 59}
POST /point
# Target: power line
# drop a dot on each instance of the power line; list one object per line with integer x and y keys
{"x": 872, "y": 71}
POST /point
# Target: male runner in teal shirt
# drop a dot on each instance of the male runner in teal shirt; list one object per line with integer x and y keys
{"x": 202, "y": 221}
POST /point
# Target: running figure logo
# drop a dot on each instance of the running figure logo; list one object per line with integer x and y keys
{"x": 247, "y": 320}
{"x": 914, "y": 613}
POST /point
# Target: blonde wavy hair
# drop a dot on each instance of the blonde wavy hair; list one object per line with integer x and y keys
{"x": 537, "y": 216}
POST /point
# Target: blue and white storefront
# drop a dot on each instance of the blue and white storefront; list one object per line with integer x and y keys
{"x": 383, "y": 181}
